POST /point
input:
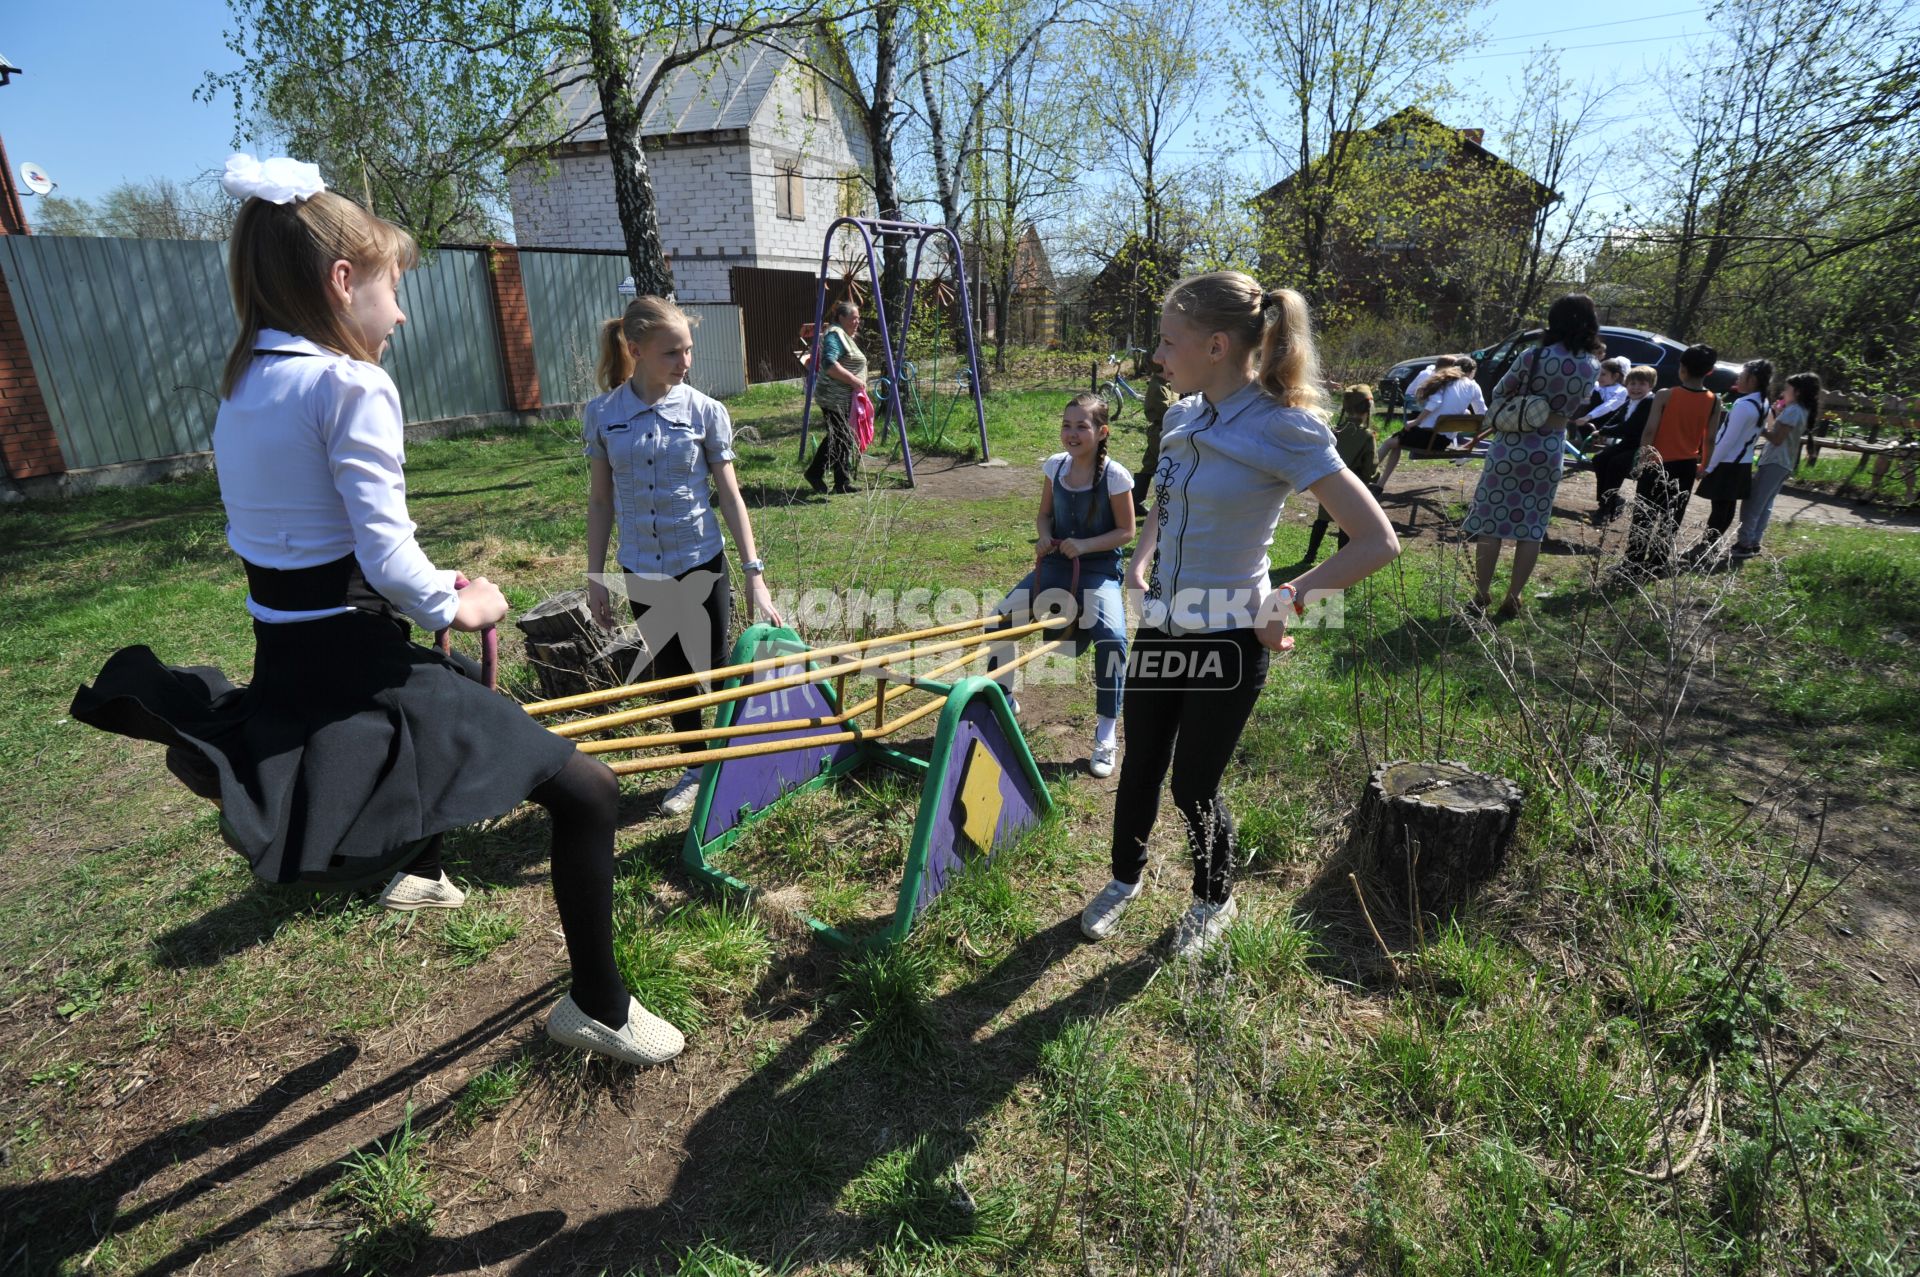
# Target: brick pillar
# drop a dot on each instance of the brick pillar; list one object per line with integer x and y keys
{"x": 516, "y": 330}
{"x": 27, "y": 441}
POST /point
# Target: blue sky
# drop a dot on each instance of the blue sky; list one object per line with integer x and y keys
{"x": 108, "y": 91}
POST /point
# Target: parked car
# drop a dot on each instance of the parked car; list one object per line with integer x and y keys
{"x": 1662, "y": 354}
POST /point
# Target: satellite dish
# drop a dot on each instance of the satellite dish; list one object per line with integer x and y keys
{"x": 35, "y": 178}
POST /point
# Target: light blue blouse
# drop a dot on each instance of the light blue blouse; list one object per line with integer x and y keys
{"x": 662, "y": 455}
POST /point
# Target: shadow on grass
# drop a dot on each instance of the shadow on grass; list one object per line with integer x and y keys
{"x": 765, "y": 1167}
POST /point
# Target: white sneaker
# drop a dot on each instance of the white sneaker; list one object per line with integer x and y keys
{"x": 644, "y": 1039}
{"x": 1102, "y": 914}
{"x": 408, "y": 892}
{"x": 1202, "y": 927}
{"x": 1101, "y": 764}
{"x": 679, "y": 800}
{"x": 1013, "y": 704}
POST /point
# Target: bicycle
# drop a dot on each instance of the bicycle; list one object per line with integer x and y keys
{"x": 1117, "y": 391}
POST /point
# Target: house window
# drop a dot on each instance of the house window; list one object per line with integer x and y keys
{"x": 853, "y": 194}
{"x": 789, "y": 191}
{"x": 813, "y": 95}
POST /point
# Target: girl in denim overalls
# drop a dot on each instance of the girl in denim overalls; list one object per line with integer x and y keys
{"x": 1086, "y": 515}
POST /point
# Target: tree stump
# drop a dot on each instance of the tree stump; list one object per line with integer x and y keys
{"x": 569, "y": 651}
{"x": 1438, "y": 827}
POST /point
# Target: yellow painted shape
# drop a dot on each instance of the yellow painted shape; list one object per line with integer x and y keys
{"x": 980, "y": 799}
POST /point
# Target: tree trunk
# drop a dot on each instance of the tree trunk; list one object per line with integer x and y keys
{"x": 569, "y": 653}
{"x": 632, "y": 180}
{"x": 1437, "y": 827}
{"x": 886, "y": 189}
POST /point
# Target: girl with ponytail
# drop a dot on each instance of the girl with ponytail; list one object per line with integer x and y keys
{"x": 662, "y": 467}
{"x": 1086, "y": 515}
{"x": 1251, "y": 428}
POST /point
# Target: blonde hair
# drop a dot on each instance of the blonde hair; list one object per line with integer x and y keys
{"x": 1645, "y": 374}
{"x": 1272, "y": 324}
{"x": 1455, "y": 368}
{"x": 277, "y": 267}
{"x": 643, "y": 317}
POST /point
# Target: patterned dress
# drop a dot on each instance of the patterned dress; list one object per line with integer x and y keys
{"x": 1522, "y": 471}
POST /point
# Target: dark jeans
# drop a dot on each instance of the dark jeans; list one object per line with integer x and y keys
{"x": 670, "y": 659}
{"x": 1659, "y": 508}
{"x": 837, "y": 447}
{"x": 1188, "y": 699}
{"x": 1610, "y": 469}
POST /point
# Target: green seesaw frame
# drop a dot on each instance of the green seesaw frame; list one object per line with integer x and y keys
{"x": 763, "y": 640}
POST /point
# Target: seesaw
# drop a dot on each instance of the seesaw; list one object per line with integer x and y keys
{"x": 785, "y": 704}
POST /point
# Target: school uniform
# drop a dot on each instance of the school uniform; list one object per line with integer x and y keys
{"x": 1728, "y": 475}
{"x": 1619, "y": 435}
{"x": 352, "y": 743}
{"x": 1197, "y": 666}
{"x": 671, "y": 550}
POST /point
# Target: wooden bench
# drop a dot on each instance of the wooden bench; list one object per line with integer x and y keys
{"x": 1884, "y": 432}
{"x": 1460, "y": 423}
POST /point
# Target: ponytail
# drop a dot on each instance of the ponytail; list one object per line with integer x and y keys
{"x": 643, "y": 317}
{"x": 1289, "y": 363}
{"x": 616, "y": 364}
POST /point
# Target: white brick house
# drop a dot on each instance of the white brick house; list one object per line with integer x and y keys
{"x": 752, "y": 158}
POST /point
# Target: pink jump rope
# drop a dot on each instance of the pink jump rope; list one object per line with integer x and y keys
{"x": 489, "y": 645}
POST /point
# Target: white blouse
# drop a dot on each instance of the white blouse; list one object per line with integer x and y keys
{"x": 308, "y": 450}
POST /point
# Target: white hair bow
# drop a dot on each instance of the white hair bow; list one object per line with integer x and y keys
{"x": 277, "y": 181}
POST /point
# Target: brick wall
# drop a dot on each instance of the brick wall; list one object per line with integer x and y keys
{"x": 703, "y": 190}
{"x": 27, "y": 442}
{"x": 516, "y": 329}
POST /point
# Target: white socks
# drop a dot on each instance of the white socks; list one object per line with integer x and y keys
{"x": 1103, "y": 731}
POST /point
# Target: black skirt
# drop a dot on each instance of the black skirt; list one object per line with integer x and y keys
{"x": 350, "y": 746}
{"x": 1728, "y": 482}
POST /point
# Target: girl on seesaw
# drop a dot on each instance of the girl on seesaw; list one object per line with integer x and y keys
{"x": 656, "y": 445}
{"x": 353, "y": 743}
{"x": 1086, "y": 515}
{"x": 1251, "y": 428}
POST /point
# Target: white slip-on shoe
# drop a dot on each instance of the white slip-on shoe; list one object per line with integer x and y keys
{"x": 679, "y": 800}
{"x": 411, "y": 891}
{"x": 1202, "y": 926}
{"x": 1101, "y": 764}
{"x": 1102, "y": 913}
{"x": 644, "y": 1039}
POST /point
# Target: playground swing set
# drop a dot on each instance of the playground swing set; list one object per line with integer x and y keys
{"x": 897, "y": 388}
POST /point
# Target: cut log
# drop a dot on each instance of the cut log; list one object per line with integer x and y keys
{"x": 1449, "y": 822}
{"x": 571, "y": 654}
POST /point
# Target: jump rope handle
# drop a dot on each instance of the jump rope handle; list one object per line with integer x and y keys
{"x": 489, "y": 645}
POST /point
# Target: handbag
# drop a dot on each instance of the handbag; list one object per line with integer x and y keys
{"x": 1522, "y": 414}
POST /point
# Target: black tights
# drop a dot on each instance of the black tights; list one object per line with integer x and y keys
{"x": 583, "y": 799}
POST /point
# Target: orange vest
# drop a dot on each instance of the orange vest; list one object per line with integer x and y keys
{"x": 1683, "y": 425}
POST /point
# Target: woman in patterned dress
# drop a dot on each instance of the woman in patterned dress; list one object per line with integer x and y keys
{"x": 1515, "y": 496}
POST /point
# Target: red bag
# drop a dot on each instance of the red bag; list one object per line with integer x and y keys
{"x": 861, "y": 419}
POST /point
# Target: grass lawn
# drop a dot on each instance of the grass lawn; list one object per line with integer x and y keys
{"x": 1675, "y": 1035}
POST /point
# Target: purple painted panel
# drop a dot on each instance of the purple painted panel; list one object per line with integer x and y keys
{"x": 1019, "y": 805}
{"x": 757, "y": 781}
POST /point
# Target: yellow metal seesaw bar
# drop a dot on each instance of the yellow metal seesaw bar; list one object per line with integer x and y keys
{"x": 890, "y": 690}
{"x": 603, "y": 722}
{"x": 607, "y": 695}
{"x": 914, "y": 715}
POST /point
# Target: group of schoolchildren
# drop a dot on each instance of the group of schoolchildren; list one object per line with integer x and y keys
{"x": 354, "y": 747}
{"x": 1605, "y": 414}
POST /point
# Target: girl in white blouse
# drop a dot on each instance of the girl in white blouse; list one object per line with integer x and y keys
{"x": 354, "y": 746}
